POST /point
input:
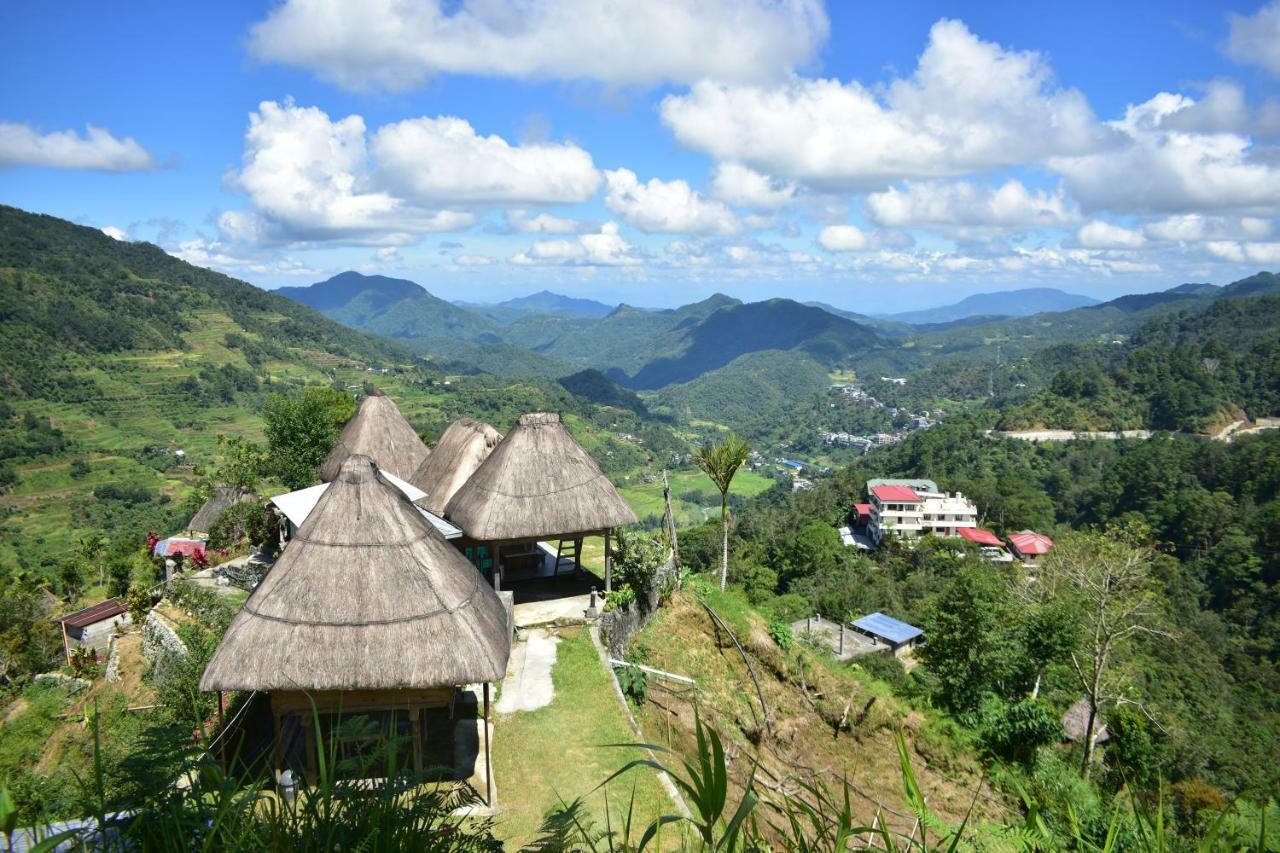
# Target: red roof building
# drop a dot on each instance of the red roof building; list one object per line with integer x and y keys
{"x": 1029, "y": 544}
{"x": 980, "y": 536}
{"x": 895, "y": 494}
{"x": 862, "y": 510}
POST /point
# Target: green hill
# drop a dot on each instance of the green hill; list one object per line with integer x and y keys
{"x": 123, "y": 366}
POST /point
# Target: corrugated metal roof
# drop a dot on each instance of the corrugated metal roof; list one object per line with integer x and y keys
{"x": 895, "y": 494}
{"x": 862, "y": 509}
{"x": 99, "y": 612}
{"x": 887, "y": 627}
{"x": 1030, "y": 542}
{"x": 982, "y": 537}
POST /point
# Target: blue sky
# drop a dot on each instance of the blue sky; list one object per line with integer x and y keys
{"x": 876, "y": 156}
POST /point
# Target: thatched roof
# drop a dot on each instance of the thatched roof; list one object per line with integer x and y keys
{"x": 378, "y": 431}
{"x": 368, "y": 596}
{"x": 459, "y": 452}
{"x": 1076, "y": 719}
{"x": 224, "y": 497}
{"x": 537, "y": 483}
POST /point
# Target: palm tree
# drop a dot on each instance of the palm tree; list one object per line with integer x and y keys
{"x": 720, "y": 461}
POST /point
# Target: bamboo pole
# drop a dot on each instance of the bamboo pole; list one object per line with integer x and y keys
{"x": 222, "y": 733}
{"x": 671, "y": 526}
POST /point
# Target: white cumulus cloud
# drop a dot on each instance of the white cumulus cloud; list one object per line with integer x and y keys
{"x": 603, "y": 248}
{"x": 745, "y": 187}
{"x": 963, "y": 204}
{"x": 845, "y": 238}
{"x": 668, "y": 207}
{"x": 970, "y": 105}
{"x": 23, "y": 145}
{"x": 443, "y": 160}
{"x": 541, "y": 223}
{"x": 398, "y": 45}
{"x": 1196, "y": 227}
{"x": 1104, "y": 235}
{"x": 1255, "y": 39}
{"x": 1162, "y": 169}
{"x": 116, "y": 233}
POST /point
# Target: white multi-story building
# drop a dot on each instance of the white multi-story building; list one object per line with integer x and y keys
{"x": 909, "y": 509}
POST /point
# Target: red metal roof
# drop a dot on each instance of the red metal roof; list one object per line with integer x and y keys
{"x": 1031, "y": 543}
{"x": 100, "y": 612}
{"x": 982, "y": 537}
{"x": 862, "y": 509}
{"x": 895, "y": 494}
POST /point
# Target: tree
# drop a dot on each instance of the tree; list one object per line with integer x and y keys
{"x": 971, "y": 647}
{"x": 243, "y": 462}
{"x": 720, "y": 461}
{"x": 301, "y": 430}
{"x": 1110, "y": 576}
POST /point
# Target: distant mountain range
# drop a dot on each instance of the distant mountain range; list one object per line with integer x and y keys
{"x": 643, "y": 349}
{"x": 1009, "y": 303}
{"x": 544, "y": 303}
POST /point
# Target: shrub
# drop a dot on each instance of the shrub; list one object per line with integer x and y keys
{"x": 637, "y": 558}
{"x": 782, "y": 634}
{"x": 235, "y": 526}
{"x": 887, "y": 668}
{"x": 620, "y": 597}
{"x": 1016, "y": 731}
{"x": 634, "y": 683}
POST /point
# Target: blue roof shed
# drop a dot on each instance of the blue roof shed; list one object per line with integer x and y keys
{"x": 888, "y": 628}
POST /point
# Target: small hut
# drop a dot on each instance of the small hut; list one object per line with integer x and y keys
{"x": 1075, "y": 720}
{"x": 224, "y": 497}
{"x": 369, "y": 612}
{"x": 93, "y": 627}
{"x": 379, "y": 431}
{"x": 538, "y": 483}
{"x": 461, "y": 450}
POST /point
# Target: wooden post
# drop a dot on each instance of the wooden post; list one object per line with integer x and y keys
{"x": 497, "y": 566}
{"x": 278, "y": 752}
{"x": 222, "y": 731}
{"x": 66, "y": 643}
{"x": 577, "y": 555}
{"x": 671, "y": 526}
{"x": 608, "y": 563}
{"x": 488, "y": 760}
{"x": 417, "y": 742}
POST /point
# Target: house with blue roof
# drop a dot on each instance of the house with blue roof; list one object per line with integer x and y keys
{"x": 898, "y": 636}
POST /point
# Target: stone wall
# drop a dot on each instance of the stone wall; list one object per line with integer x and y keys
{"x": 68, "y": 682}
{"x": 619, "y": 626}
{"x": 160, "y": 641}
{"x": 112, "y": 672}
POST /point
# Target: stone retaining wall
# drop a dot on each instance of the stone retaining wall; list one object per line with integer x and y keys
{"x": 112, "y": 672}
{"x": 160, "y": 641}
{"x": 619, "y": 626}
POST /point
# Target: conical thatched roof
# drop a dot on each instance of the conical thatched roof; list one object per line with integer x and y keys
{"x": 224, "y": 497}
{"x": 1076, "y": 719}
{"x": 378, "y": 431}
{"x": 368, "y": 596}
{"x": 461, "y": 450}
{"x": 537, "y": 483}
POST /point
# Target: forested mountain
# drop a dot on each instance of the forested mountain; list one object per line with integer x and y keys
{"x": 640, "y": 348}
{"x": 543, "y": 303}
{"x": 125, "y": 367}
{"x": 1008, "y": 303}
{"x": 1190, "y": 371}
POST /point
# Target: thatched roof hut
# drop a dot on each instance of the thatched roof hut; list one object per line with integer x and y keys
{"x": 378, "y": 431}
{"x": 461, "y": 450}
{"x": 224, "y": 497}
{"x": 367, "y": 597}
{"x": 537, "y": 483}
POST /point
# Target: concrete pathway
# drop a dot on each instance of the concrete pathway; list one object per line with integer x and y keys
{"x": 528, "y": 686}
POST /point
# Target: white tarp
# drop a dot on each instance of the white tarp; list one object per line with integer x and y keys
{"x": 298, "y": 505}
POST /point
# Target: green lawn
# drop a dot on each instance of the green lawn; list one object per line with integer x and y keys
{"x": 561, "y": 751}
{"x": 646, "y": 498}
